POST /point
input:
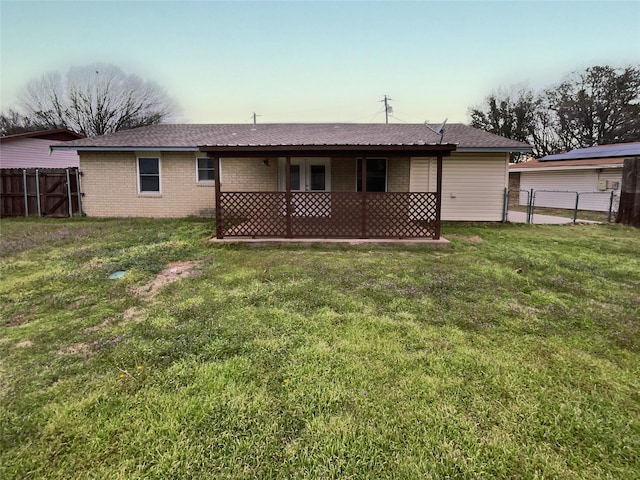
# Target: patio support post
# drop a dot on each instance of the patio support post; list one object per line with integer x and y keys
{"x": 438, "y": 198}
{"x": 216, "y": 177}
{"x": 363, "y": 183}
{"x": 287, "y": 195}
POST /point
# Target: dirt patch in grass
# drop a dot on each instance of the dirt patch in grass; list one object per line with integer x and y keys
{"x": 76, "y": 349}
{"x": 102, "y": 324}
{"x": 466, "y": 238}
{"x": 172, "y": 273}
{"x": 13, "y": 245}
{"x": 522, "y": 309}
{"x": 16, "y": 320}
{"x": 132, "y": 314}
{"x": 24, "y": 344}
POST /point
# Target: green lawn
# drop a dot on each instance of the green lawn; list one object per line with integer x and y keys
{"x": 513, "y": 354}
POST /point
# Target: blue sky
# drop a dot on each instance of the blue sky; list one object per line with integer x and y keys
{"x": 305, "y": 61}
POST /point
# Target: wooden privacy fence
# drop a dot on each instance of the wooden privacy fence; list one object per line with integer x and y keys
{"x": 629, "y": 211}
{"x": 45, "y": 192}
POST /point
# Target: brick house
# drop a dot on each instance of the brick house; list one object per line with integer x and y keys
{"x": 300, "y": 180}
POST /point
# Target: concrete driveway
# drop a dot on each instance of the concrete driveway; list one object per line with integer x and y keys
{"x": 521, "y": 217}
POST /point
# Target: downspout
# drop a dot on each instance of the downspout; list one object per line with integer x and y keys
{"x": 79, "y": 193}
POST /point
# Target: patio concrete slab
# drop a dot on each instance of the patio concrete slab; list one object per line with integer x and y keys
{"x": 259, "y": 242}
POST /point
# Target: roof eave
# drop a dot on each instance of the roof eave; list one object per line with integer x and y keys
{"x": 562, "y": 158}
{"x": 41, "y": 134}
{"x": 288, "y": 149}
{"x": 563, "y": 167}
{"x": 495, "y": 149}
{"x": 124, "y": 149}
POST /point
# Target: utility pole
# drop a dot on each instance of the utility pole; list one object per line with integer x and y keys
{"x": 255, "y": 120}
{"x": 387, "y": 108}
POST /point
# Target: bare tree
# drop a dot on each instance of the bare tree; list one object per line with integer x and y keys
{"x": 96, "y": 99}
{"x": 13, "y": 122}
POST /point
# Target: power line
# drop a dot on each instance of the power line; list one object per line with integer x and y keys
{"x": 387, "y": 108}
{"x": 399, "y": 119}
{"x": 369, "y": 115}
{"x": 334, "y": 108}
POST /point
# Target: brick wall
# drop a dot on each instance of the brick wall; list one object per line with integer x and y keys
{"x": 110, "y": 185}
{"x": 343, "y": 174}
{"x": 249, "y": 175}
{"x": 398, "y": 171}
{"x": 514, "y": 181}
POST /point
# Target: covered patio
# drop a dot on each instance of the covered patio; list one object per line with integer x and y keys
{"x": 312, "y": 210}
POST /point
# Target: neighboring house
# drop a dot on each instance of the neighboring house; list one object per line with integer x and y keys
{"x": 594, "y": 172}
{"x": 31, "y": 150}
{"x": 169, "y": 171}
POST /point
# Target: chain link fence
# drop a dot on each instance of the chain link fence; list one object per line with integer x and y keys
{"x": 532, "y": 206}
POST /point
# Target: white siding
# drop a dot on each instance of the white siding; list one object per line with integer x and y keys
{"x": 564, "y": 184}
{"x": 34, "y": 153}
{"x": 419, "y": 176}
{"x": 472, "y": 184}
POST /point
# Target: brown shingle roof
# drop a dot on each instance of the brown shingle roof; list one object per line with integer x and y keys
{"x": 295, "y": 134}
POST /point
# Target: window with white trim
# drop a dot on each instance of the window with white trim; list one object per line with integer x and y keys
{"x": 204, "y": 169}
{"x": 148, "y": 175}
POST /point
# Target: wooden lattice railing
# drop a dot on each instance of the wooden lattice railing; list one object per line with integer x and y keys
{"x": 328, "y": 214}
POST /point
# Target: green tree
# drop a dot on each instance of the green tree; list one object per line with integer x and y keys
{"x": 506, "y": 113}
{"x": 600, "y": 105}
{"x": 515, "y": 114}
